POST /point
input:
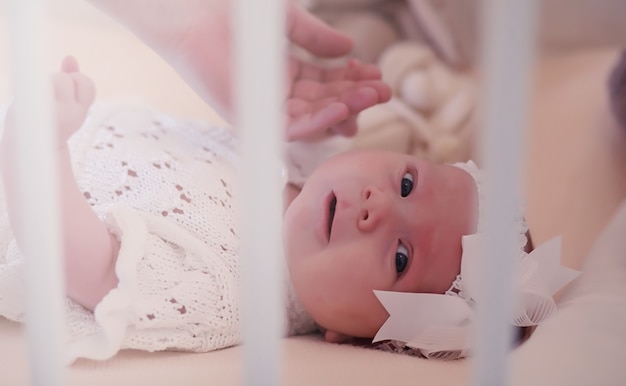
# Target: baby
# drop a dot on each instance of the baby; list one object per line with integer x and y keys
{"x": 151, "y": 243}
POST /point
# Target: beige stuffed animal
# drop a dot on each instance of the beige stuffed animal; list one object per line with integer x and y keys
{"x": 424, "y": 48}
{"x": 430, "y": 113}
{"x": 433, "y": 99}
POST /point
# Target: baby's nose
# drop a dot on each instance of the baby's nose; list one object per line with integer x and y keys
{"x": 375, "y": 208}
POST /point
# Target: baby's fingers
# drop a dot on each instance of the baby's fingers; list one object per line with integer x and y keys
{"x": 84, "y": 89}
{"x": 69, "y": 64}
{"x": 63, "y": 87}
{"x": 74, "y": 87}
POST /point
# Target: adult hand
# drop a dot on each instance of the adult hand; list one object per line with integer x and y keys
{"x": 307, "y": 31}
{"x": 326, "y": 101}
{"x": 194, "y": 37}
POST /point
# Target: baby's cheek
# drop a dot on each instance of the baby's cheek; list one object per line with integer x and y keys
{"x": 312, "y": 289}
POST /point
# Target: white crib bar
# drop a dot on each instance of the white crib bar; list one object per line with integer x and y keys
{"x": 39, "y": 211}
{"x": 508, "y": 42}
{"x": 259, "y": 92}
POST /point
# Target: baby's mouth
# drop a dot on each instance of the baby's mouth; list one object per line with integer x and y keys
{"x": 331, "y": 213}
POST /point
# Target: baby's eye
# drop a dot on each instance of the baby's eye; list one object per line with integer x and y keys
{"x": 402, "y": 258}
{"x": 406, "y": 186}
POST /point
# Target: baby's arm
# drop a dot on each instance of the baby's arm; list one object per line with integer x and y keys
{"x": 89, "y": 249}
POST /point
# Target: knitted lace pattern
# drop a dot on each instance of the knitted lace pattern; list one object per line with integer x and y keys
{"x": 166, "y": 188}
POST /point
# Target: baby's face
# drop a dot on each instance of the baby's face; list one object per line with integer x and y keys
{"x": 370, "y": 220}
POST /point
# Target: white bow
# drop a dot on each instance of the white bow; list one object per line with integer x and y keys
{"x": 440, "y": 325}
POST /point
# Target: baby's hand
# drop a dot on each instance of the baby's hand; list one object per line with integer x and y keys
{"x": 325, "y": 102}
{"x": 73, "y": 94}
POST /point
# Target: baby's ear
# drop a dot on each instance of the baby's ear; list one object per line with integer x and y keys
{"x": 335, "y": 337}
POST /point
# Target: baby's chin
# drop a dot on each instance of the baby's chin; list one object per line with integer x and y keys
{"x": 362, "y": 327}
{"x": 293, "y": 254}
{"x": 351, "y": 322}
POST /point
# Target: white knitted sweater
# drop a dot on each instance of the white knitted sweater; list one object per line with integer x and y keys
{"x": 167, "y": 189}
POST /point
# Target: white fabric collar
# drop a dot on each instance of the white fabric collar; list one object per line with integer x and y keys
{"x": 440, "y": 325}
